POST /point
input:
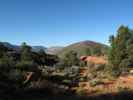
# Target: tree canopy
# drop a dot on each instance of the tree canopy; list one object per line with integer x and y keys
{"x": 121, "y": 49}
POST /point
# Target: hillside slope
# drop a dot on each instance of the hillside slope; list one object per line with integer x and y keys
{"x": 54, "y": 50}
{"x": 85, "y": 48}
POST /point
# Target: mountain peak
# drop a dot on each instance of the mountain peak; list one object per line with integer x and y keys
{"x": 82, "y": 47}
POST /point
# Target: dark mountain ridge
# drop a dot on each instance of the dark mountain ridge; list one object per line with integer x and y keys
{"x": 17, "y": 47}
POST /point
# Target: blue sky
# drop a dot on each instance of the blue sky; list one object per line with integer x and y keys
{"x": 62, "y": 22}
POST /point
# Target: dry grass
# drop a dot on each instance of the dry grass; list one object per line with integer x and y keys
{"x": 108, "y": 86}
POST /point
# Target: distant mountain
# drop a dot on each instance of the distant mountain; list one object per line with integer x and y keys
{"x": 11, "y": 46}
{"x": 54, "y": 50}
{"x": 38, "y": 48}
{"x": 17, "y": 47}
{"x": 82, "y": 48}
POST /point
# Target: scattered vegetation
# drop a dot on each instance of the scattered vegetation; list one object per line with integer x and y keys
{"x": 95, "y": 82}
{"x": 65, "y": 74}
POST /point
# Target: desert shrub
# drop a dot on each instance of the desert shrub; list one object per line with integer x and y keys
{"x": 116, "y": 73}
{"x": 66, "y": 82}
{"x": 123, "y": 89}
{"x": 16, "y": 76}
{"x": 6, "y": 63}
{"x": 26, "y": 65}
{"x": 61, "y": 64}
{"x": 95, "y": 82}
{"x": 82, "y": 78}
{"x": 96, "y": 51}
{"x": 100, "y": 67}
{"x": 70, "y": 59}
{"x": 80, "y": 91}
{"x": 83, "y": 64}
{"x": 112, "y": 71}
{"x": 56, "y": 78}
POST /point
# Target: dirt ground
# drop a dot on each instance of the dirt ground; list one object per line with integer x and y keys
{"x": 123, "y": 83}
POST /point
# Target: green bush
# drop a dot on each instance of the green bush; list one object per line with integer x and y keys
{"x": 83, "y": 64}
{"x": 95, "y": 82}
{"x": 26, "y": 65}
{"x": 100, "y": 67}
{"x": 116, "y": 73}
{"x": 16, "y": 76}
{"x": 80, "y": 92}
{"x": 6, "y": 63}
{"x": 67, "y": 82}
{"x": 122, "y": 89}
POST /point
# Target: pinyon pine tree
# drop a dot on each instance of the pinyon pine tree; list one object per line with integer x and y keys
{"x": 121, "y": 50}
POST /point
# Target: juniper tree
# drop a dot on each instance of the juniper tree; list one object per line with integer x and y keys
{"x": 120, "y": 53}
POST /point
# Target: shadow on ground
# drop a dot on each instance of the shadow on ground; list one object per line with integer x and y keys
{"x": 47, "y": 94}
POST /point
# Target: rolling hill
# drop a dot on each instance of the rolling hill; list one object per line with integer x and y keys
{"x": 85, "y": 48}
{"x": 54, "y": 50}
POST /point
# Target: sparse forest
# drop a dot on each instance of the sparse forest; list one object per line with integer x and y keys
{"x": 77, "y": 73}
